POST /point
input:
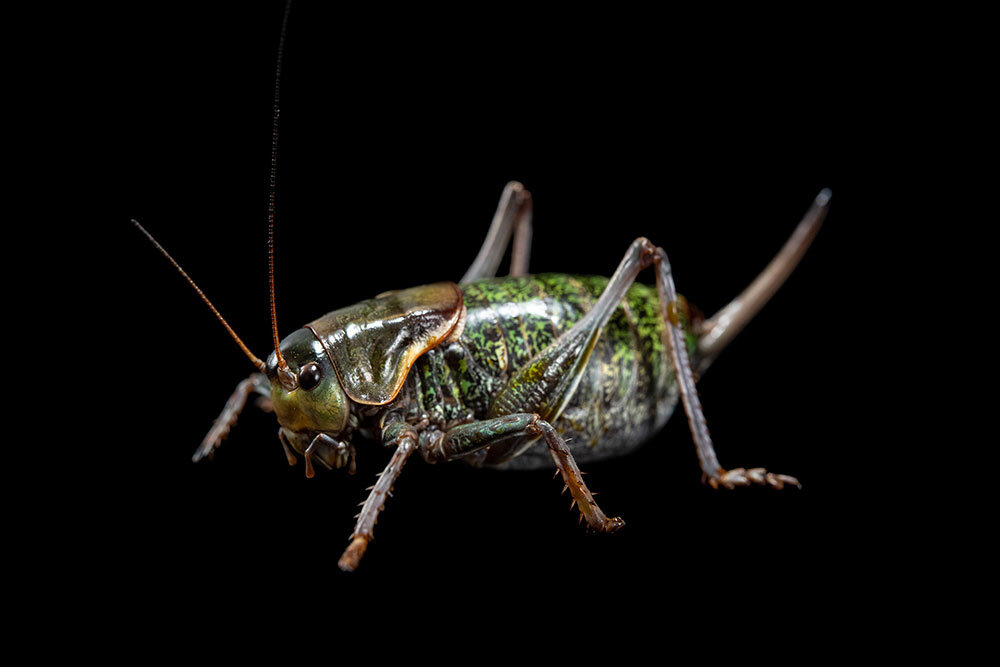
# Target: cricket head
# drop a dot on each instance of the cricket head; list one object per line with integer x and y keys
{"x": 309, "y": 401}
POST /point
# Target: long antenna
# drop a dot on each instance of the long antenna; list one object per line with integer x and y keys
{"x": 286, "y": 377}
{"x": 256, "y": 362}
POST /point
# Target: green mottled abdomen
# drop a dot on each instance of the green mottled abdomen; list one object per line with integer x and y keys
{"x": 627, "y": 391}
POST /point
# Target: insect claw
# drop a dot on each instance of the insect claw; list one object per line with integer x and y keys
{"x": 788, "y": 479}
{"x": 612, "y": 524}
{"x": 779, "y": 481}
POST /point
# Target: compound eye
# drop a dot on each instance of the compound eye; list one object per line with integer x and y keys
{"x": 310, "y": 375}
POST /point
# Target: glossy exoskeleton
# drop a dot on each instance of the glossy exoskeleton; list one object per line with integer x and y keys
{"x": 523, "y": 371}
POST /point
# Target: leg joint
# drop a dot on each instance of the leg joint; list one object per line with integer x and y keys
{"x": 646, "y": 251}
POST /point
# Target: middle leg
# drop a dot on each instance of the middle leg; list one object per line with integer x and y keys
{"x": 467, "y": 439}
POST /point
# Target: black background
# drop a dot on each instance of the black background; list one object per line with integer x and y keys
{"x": 395, "y": 144}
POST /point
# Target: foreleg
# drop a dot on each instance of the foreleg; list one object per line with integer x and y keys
{"x": 404, "y": 438}
{"x": 256, "y": 383}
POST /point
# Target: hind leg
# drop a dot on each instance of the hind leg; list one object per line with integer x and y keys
{"x": 713, "y": 473}
{"x": 513, "y": 216}
{"x": 546, "y": 384}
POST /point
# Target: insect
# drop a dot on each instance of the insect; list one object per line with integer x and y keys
{"x": 523, "y": 371}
